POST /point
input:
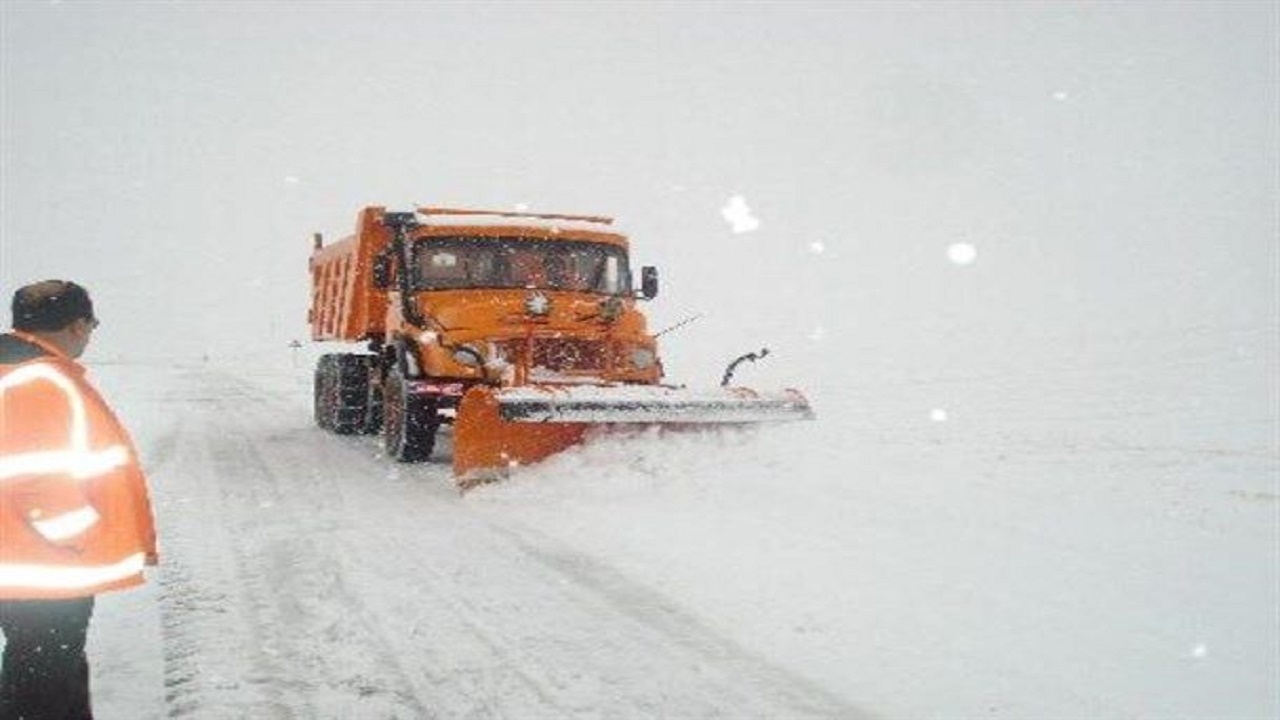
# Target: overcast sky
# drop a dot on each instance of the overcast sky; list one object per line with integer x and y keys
{"x": 1114, "y": 165}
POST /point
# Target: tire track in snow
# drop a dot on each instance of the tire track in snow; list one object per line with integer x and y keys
{"x": 651, "y": 610}
{"x": 238, "y": 585}
{"x": 334, "y": 664}
{"x": 197, "y": 579}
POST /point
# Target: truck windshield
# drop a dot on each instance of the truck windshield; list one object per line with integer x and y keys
{"x": 449, "y": 263}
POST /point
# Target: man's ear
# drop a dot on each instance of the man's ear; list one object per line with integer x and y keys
{"x": 82, "y": 326}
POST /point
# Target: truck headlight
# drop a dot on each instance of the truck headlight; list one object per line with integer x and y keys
{"x": 469, "y": 356}
{"x": 642, "y": 358}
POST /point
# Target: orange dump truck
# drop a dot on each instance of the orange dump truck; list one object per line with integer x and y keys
{"x": 520, "y": 330}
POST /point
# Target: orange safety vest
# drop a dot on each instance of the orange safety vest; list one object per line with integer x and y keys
{"x": 75, "y": 518}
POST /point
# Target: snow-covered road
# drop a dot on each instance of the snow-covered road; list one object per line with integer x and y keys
{"x": 305, "y": 577}
{"x": 1093, "y": 546}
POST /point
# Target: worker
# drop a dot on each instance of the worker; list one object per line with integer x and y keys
{"x": 75, "y": 518}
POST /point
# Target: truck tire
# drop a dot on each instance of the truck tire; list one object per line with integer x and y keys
{"x": 342, "y": 393}
{"x": 409, "y": 422}
{"x": 320, "y": 392}
{"x": 373, "y": 420}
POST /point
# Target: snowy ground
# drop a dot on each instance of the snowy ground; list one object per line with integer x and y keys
{"x": 1082, "y": 537}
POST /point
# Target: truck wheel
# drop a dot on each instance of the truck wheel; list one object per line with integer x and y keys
{"x": 373, "y": 418}
{"x": 320, "y": 393}
{"x": 409, "y": 422}
{"x": 342, "y": 392}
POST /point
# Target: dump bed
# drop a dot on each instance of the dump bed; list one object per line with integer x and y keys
{"x": 344, "y": 303}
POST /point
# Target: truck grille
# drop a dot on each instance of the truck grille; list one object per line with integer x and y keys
{"x": 561, "y": 354}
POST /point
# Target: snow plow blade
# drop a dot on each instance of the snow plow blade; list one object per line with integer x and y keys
{"x": 497, "y": 429}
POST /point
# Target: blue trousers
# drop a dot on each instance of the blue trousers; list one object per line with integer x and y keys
{"x": 45, "y": 675}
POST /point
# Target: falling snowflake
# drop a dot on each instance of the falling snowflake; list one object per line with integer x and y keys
{"x": 1061, "y": 96}
{"x": 292, "y": 179}
{"x": 739, "y": 216}
{"x": 522, "y": 207}
{"x": 938, "y": 415}
{"x": 962, "y": 253}
{"x": 817, "y": 248}
{"x": 817, "y": 333}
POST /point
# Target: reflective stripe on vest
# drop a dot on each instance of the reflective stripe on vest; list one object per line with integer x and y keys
{"x": 80, "y": 464}
{"x": 78, "y": 459}
{"x": 66, "y": 525}
{"x": 63, "y": 577}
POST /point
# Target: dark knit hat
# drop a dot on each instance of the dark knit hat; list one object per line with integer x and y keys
{"x": 50, "y": 305}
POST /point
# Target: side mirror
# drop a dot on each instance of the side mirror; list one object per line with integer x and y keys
{"x": 648, "y": 282}
{"x": 382, "y": 271}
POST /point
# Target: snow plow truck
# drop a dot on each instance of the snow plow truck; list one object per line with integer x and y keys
{"x": 520, "y": 330}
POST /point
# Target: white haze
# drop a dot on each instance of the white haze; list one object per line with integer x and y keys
{"x": 1114, "y": 165}
{"x": 953, "y": 224}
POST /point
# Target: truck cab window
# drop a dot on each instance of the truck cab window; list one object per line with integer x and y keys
{"x": 466, "y": 262}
